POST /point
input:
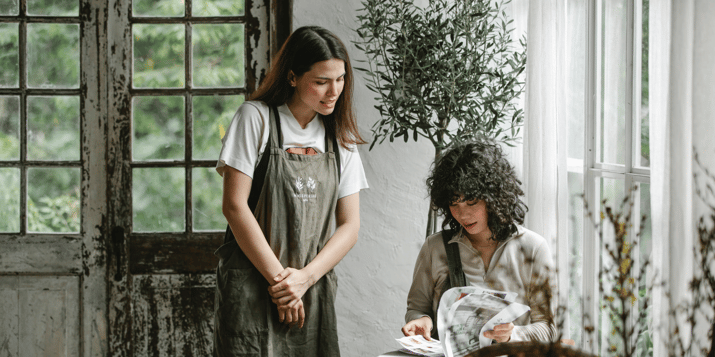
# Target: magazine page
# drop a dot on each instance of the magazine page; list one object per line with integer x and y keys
{"x": 466, "y": 312}
{"x": 418, "y": 345}
{"x": 454, "y": 294}
{"x": 509, "y": 314}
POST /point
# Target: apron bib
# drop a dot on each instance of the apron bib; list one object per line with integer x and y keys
{"x": 295, "y": 210}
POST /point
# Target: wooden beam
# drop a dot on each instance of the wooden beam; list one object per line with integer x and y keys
{"x": 168, "y": 255}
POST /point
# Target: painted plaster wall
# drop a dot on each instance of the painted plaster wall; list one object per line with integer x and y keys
{"x": 375, "y": 276}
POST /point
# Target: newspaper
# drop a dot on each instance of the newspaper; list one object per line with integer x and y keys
{"x": 464, "y": 314}
{"x": 418, "y": 345}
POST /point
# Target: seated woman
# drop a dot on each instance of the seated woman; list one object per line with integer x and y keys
{"x": 476, "y": 190}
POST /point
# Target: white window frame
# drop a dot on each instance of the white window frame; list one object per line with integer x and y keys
{"x": 630, "y": 173}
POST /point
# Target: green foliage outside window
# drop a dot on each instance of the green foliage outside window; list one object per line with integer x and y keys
{"x": 53, "y": 7}
{"x": 53, "y": 200}
{"x": 9, "y": 42}
{"x": 158, "y": 122}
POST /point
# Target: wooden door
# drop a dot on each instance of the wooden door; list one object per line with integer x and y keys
{"x": 178, "y": 72}
{"x": 52, "y": 179}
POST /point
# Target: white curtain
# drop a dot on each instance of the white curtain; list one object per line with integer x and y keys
{"x": 545, "y": 120}
{"x": 544, "y": 74}
{"x": 682, "y": 124}
{"x": 682, "y": 121}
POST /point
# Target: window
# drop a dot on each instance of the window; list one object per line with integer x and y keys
{"x": 188, "y": 77}
{"x": 608, "y": 40}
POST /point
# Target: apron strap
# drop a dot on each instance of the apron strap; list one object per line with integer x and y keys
{"x": 456, "y": 276}
{"x": 279, "y": 135}
{"x": 259, "y": 175}
{"x": 331, "y": 144}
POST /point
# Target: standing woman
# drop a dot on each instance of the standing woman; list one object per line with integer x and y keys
{"x": 290, "y": 169}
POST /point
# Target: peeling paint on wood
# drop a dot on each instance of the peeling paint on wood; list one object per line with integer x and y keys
{"x": 44, "y": 255}
{"x": 171, "y": 255}
{"x": 172, "y": 315}
{"x": 257, "y": 42}
{"x": 118, "y": 171}
{"x": 94, "y": 112}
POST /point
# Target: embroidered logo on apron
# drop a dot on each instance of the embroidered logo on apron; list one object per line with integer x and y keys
{"x": 305, "y": 188}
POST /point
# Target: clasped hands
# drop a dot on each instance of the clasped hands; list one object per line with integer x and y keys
{"x": 287, "y": 291}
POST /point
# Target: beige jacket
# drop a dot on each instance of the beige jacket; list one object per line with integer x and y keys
{"x": 521, "y": 264}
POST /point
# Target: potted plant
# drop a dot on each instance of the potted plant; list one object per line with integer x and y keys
{"x": 446, "y": 72}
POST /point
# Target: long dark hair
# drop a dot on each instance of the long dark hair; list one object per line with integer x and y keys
{"x": 478, "y": 170}
{"x": 303, "y": 48}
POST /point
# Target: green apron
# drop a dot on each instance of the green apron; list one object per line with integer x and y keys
{"x": 295, "y": 209}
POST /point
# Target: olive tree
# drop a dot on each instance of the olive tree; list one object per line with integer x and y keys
{"x": 447, "y": 72}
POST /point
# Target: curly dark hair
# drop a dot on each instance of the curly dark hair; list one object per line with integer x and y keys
{"x": 478, "y": 170}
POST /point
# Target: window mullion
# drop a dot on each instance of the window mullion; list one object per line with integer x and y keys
{"x": 631, "y": 231}
{"x": 590, "y": 243}
{"x": 633, "y": 136}
{"x": 22, "y": 67}
{"x": 629, "y": 98}
{"x": 188, "y": 118}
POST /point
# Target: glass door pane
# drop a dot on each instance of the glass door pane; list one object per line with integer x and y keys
{"x": 218, "y": 8}
{"x": 9, "y": 7}
{"x": 53, "y": 200}
{"x": 53, "y": 7}
{"x": 158, "y": 199}
{"x": 218, "y": 55}
{"x": 9, "y": 128}
{"x": 9, "y": 55}
{"x": 167, "y": 8}
{"x": 158, "y": 128}
{"x": 60, "y": 42}
{"x": 158, "y": 56}
{"x": 53, "y": 128}
{"x": 10, "y": 200}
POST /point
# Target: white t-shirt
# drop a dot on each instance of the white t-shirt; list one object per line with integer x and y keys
{"x": 241, "y": 149}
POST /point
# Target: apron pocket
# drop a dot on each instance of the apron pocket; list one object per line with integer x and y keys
{"x": 246, "y": 345}
{"x": 243, "y": 304}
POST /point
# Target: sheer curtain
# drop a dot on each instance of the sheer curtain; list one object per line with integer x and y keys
{"x": 682, "y": 122}
{"x": 685, "y": 91}
{"x": 544, "y": 24}
{"x": 543, "y": 110}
